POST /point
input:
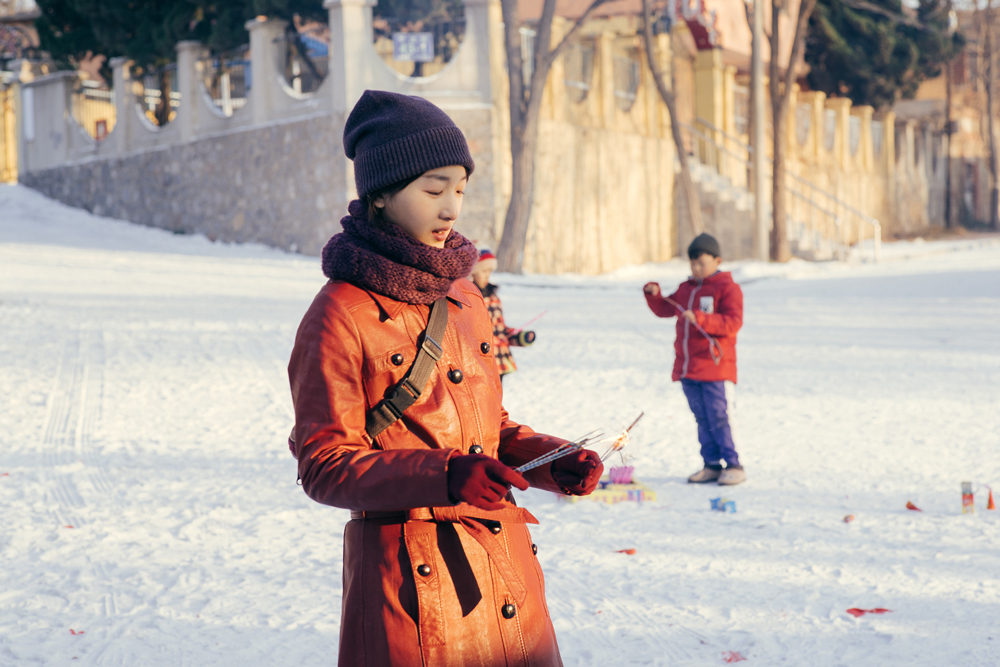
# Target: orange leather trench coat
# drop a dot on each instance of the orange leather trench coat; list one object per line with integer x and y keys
{"x": 426, "y": 583}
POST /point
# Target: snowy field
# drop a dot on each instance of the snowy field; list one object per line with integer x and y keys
{"x": 151, "y": 515}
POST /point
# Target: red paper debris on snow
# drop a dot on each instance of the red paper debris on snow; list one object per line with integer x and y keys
{"x": 630, "y": 552}
{"x": 76, "y": 632}
{"x": 733, "y": 656}
{"x": 849, "y": 518}
{"x": 911, "y": 506}
{"x": 855, "y": 612}
{"x": 4, "y": 474}
{"x": 67, "y": 526}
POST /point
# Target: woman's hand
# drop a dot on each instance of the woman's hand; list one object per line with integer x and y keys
{"x": 481, "y": 481}
{"x": 578, "y": 474}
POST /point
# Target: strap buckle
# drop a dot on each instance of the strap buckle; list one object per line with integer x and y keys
{"x": 432, "y": 348}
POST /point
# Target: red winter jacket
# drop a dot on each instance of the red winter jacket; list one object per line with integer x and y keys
{"x": 717, "y": 303}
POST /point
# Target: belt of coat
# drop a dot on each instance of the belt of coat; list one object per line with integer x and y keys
{"x": 469, "y": 517}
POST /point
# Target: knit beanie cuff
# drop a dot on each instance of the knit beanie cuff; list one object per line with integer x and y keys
{"x": 410, "y": 156}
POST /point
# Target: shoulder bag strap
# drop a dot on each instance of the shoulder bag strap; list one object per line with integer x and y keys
{"x": 410, "y": 387}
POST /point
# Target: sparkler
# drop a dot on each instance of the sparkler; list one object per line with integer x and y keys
{"x": 713, "y": 345}
{"x": 562, "y": 450}
{"x": 619, "y": 444}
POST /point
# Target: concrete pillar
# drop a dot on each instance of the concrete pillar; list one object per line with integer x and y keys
{"x": 793, "y": 149}
{"x": 350, "y": 50}
{"x": 124, "y": 104}
{"x": 188, "y": 54}
{"x": 841, "y": 144}
{"x": 866, "y": 149}
{"x": 818, "y": 123}
{"x": 709, "y": 87}
{"x": 888, "y": 157}
{"x": 481, "y": 17}
{"x": 264, "y": 60}
{"x": 51, "y": 122}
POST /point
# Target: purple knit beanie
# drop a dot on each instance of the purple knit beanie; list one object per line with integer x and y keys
{"x": 392, "y": 137}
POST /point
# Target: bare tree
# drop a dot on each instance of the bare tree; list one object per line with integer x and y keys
{"x": 525, "y": 106}
{"x": 781, "y": 95}
{"x": 988, "y": 56}
{"x": 687, "y": 189}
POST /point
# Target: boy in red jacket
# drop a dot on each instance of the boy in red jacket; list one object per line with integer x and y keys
{"x": 709, "y": 311}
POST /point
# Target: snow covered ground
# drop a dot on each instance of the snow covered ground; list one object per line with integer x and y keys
{"x": 151, "y": 516}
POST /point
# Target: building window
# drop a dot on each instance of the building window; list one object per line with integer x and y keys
{"x": 579, "y": 69}
{"x": 626, "y": 73}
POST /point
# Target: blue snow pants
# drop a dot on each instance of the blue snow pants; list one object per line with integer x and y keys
{"x": 708, "y": 403}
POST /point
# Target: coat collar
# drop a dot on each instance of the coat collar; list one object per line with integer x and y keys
{"x": 393, "y": 308}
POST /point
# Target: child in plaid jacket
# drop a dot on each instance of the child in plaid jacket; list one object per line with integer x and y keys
{"x": 503, "y": 336}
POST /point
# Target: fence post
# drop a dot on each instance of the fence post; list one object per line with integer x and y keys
{"x": 264, "y": 62}
{"x": 48, "y": 120}
{"x": 188, "y": 53}
{"x": 350, "y": 50}
{"x": 124, "y": 106}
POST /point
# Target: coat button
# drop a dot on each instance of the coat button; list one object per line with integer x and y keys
{"x": 534, "y": 549}
{"x": 475, "y": 449}
{"x": 508, "y": 611}
{"x": 397, "y": 359}
{"x": 496, "y": 528}
{"x": 485, "y": 347}
{"x": 455, "y": 375}
{"x": 424, "y": 570}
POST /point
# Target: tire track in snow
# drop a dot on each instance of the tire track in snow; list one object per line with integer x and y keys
{"x": 59, "y": 442}
{"x": 74, "y": 412}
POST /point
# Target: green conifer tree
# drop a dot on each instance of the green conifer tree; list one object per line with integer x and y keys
{"x": 873, "y": 52}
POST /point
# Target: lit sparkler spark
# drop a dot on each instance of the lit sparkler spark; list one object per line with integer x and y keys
{"x": 619, "y": 444}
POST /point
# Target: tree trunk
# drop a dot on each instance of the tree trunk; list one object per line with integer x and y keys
{"x": 780, "y": 102}
{"x": 688, "y": 191}
{"x": 162, "y": 111}
{"x": 990, "y": 56}
{"x": 523, "y": 142}
{"x": 780, "y": 251}
{"x": 525, "y": 107}
{"x": 947, "y": 132}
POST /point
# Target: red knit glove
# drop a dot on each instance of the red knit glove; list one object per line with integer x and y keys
{"x": 578, "y": 474}
{"x": 481, "y": 481}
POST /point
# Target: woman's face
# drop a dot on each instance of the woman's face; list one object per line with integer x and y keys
{"x": 427, "y": 208}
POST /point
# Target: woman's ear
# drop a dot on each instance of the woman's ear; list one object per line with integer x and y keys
{"x": 379, "y": 202}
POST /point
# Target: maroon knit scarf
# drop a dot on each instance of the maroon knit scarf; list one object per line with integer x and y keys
{"x": 388, "y": 261}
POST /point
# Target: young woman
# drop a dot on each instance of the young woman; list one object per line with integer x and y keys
{"x": 439, "y": 568}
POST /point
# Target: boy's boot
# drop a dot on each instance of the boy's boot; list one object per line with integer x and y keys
{"x": 709, "y": 473}
{"x": 732, "y": 475}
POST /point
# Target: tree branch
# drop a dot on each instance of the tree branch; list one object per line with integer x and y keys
{"x": 515, "y": 66}
{"x": 798, "y": 47}
{"x": 564, "y": 42}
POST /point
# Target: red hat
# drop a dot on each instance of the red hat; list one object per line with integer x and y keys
{"x": 487, "y": 261}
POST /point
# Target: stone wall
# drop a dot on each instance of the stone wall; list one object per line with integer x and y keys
{"x": 274, "y": 184}
{"x": 270, "y": 184}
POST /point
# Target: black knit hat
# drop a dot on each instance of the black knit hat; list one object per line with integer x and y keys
{"x": 393, "y": 137}
{"x": 704, "y": 243}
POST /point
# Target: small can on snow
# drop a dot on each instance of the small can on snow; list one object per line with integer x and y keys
{"x": 968, "y": 500}
{"x": 723, "y": 505}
